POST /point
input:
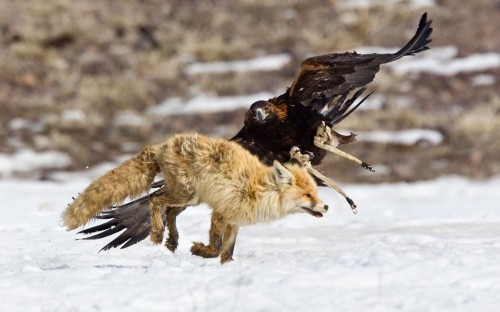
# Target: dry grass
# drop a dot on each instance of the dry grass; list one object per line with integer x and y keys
{"x": 96, "y": 59}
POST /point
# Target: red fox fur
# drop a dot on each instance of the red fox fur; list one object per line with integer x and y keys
{"x": 197, "y": 169}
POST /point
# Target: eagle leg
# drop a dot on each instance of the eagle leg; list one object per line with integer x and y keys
{"x": 324, "y": 139}
{"x": 305, "y": 160}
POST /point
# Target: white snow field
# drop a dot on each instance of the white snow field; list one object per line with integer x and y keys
{"x": 426, "y": 246}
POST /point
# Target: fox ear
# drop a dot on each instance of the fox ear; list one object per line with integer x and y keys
{"x": 283, "y": 176}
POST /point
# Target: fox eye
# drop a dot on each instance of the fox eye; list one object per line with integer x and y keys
{"x": 308, "y": 195}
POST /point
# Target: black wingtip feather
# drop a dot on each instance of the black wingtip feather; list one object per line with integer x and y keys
{"x": 135, "y": 239}
{"x": 158, "y": 184}
{"x": 105, "y": 233}
{"x": 129, "y": 237}
{"x": 343, "y": 106}
{"x": 99, "y": 227}
{"x": 355, "y": 106}
{"x": 418, "y": 42}
{"x": 117, "y": 242}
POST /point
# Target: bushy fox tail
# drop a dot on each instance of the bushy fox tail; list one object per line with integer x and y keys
{"x": 131, "y": 179}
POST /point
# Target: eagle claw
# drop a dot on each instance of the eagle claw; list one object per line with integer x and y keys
{"x": 303, "y": 158}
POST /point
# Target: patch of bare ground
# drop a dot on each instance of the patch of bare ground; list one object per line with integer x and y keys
{"x": 70, "y": 69}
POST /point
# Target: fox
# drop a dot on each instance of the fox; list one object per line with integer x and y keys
{"x": 197, "y": 169}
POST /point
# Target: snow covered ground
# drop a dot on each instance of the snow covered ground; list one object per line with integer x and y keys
{"x": 427, "y": 246}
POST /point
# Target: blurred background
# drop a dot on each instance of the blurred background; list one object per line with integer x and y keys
{"x": 85, "y": 82}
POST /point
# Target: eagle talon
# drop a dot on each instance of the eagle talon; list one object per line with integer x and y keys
{"x": 367, "y": 166}
{"x": 353, "y": 205}
{"x": 303, "y": 158}
{"x": 323, "y": 134}
{"x": 310, "y": 154}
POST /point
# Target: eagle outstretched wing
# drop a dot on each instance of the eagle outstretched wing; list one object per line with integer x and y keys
{"x": 323, "y": 79}
{"x": 326, "y": 89}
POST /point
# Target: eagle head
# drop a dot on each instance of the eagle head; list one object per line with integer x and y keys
{"x": 259, "y": 112}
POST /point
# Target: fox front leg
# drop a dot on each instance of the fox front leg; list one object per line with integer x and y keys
{"x": 216, "y": 233}
{"x": 173, "y": 235}
{"x": 228, "y": 243}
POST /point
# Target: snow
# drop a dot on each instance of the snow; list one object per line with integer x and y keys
{"x": 73, "y": 115}
{"x": 263, "y": 63}
{"x": 439, "y": 61}
{"x": 205, "y": 103}
{"x": 355, "y": 4}
{"x": 129, "y": 118}
{"x": 27, "y": 161}
{"x": 472, "y": 63}
{"x": 426, "y": 246}
{"x": 18, "y": 124}
{"x": 483, "y": 80}
{"x": 404, "y": 137}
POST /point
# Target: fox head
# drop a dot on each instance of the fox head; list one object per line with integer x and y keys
{"x": 298, "y": 190}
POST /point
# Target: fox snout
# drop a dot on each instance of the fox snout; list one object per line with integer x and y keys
{"x": 321, "y": 207}
{"x": 317, "y": 210}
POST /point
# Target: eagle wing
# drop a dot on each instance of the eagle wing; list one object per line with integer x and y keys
{"x": 329, "y": 84}
{"x": 322, "y": 80}
{"x": 133, "y": 217}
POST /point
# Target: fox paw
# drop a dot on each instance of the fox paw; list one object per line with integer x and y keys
{"x": 199, "y": 249}
{"x": 156, "y": 237}
{"x": 171, "y": 244}
{"x": 225, "y": 259}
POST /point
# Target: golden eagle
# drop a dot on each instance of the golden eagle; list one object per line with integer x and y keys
{"x": 326, "y": 90}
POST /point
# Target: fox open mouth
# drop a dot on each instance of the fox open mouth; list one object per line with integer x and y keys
{"x": 313, "y": 213}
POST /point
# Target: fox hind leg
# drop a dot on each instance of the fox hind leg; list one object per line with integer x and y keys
{"x": 157, "y": 227}
{"x": 216, "y": 233}
{"x": 166, "y": 201}
{"x": 173, "y": 235}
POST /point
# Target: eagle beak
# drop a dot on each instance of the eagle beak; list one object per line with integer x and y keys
{"x": 260, "y": 114}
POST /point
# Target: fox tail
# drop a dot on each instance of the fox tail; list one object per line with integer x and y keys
{"x": 131, "y": 179}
